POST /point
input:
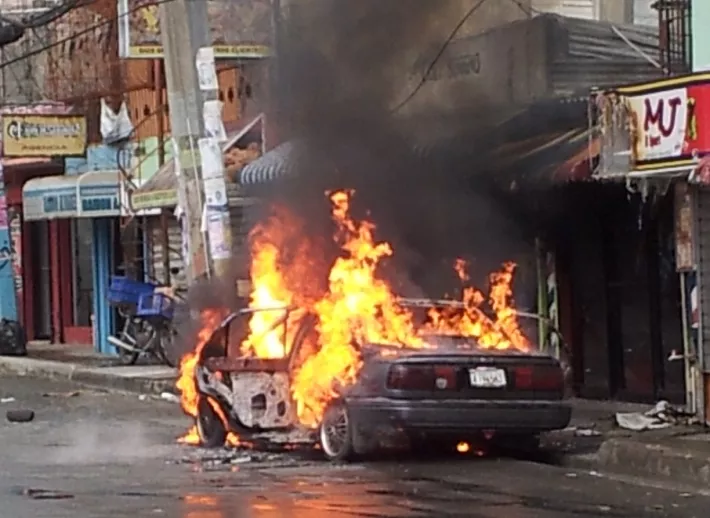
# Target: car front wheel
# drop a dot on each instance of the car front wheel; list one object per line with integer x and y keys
{"x": 336, "y": 433}
{"x": 210, "y": 427}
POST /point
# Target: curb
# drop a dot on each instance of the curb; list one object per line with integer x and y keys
{"x": 647, "y": 460}
{"x": 46, "y": 369}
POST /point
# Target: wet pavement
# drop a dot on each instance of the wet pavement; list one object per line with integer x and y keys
{"x": 92, "y": 454}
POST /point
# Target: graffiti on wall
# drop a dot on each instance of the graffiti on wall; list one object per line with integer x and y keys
{"x": 16, "y": 243}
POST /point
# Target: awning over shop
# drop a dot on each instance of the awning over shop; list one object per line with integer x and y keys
{"x": 161, "y": 189}
{"x": 95, "y": 194}
{"x": 545, "y": 142}
{"x": 280, "y": 161}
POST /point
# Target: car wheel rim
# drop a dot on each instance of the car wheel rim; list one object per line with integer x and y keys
{"x": 334, "y": 431}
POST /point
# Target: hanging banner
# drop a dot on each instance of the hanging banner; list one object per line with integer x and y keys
{"x": 666, "y": 120}
{"x": 240, "y": 29}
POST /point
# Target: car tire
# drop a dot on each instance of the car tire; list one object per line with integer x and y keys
{"x": 210, "y": 427}
{"x": 336, "y": 433}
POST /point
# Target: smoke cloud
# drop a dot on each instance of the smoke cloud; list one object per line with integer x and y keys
{"x": 345, "y": 67}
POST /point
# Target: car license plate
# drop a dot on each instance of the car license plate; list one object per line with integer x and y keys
{"x": 487, "y": 377}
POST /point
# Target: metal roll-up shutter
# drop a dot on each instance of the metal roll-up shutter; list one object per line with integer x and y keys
{"x": 242, "y": 216}
{"x": 702, "y": 219}
{"x": 174, "y": 251}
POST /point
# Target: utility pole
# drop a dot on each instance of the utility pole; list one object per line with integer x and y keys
{"x": 185, "y": 30}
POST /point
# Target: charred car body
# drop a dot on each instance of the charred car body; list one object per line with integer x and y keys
{"x": 452, "y": 390}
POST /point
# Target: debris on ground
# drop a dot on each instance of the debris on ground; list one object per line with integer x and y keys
{"x": 67, "y": 395}
{"x": 662, "y": 415}
{"x": 46, "y": 494}
{"x": 169, "y": 396}
{"x": 7, "y": 400}
{"x": 20, "y": 416}
{"x": 587, "y": 432}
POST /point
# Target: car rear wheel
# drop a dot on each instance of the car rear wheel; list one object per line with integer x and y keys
{"x": 210, "y": 427}
{"x": 336, "y": 433}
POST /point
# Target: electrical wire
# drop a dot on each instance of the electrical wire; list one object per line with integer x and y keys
{"x": 12, "y": 30}
{"x": 438, "y": 56}
{"x": 45, "y": 17}
{"x": 75, "y": 35}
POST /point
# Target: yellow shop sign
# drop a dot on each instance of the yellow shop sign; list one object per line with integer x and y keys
{"x": 26, "y": 135}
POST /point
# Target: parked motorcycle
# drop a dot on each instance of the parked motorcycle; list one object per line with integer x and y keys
{"x": 147, "y": 311}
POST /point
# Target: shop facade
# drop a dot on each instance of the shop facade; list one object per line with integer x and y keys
{"x": 30, "y": 267}
{"x": 655, "y": 138}
{"x": 153, "y": 205}
{"x": 77, "y": 222}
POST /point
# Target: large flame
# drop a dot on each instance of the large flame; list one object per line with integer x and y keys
{"x": 354, "y": 307}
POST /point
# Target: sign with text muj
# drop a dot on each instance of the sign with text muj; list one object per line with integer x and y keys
{"x": 239, "y": 29}
{"x": 26, "y": 135}
{"x": 668, "y": 121}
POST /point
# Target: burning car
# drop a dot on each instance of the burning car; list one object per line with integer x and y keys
{"x": 452, "y": 390}
{"x": 355, "y": 367}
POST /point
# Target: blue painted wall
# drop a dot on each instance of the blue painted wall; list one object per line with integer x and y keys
{"x": 102, "y": 264}
{"x": 98, "y": 158}
{"x": 8, "y": 300}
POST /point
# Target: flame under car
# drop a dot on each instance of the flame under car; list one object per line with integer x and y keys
{"x": 452, "y": 390}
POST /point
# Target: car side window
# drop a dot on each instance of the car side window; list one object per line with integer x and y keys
{"x": 237, "y": 332}
{"x": 217, "y": 344}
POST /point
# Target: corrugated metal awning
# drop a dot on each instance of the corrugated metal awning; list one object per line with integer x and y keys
{"x": 161, "y": 189}
{"x": 280, "y": 161}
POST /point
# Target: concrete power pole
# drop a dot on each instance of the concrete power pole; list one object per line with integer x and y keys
{"x": 185, "y": 30}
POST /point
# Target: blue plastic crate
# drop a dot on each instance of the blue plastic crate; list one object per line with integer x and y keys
{"x": 155, "y": 305}
{"x": 123, "y": 290}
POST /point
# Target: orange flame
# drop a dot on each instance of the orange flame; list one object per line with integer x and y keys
{"x": 186, "y": 384}
{"x": 354, "y": 307}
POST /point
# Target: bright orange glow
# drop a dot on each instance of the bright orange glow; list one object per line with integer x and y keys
{"x": 463, "y": 447}
{"x": 186, "y": 383}
{"x": 351, "y": 306}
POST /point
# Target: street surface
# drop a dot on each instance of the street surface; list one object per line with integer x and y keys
{"x": 90, "y": 454}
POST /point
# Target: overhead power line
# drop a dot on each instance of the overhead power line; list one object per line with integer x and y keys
{"x": 12, "y": 29}
{"x": 439, "y": 55}
{"x": 77, "y": 34}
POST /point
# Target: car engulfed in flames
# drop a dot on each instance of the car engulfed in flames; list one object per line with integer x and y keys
{"x": 306, "y": 362}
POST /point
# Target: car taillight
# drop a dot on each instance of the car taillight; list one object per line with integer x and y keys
{"x": 422, "y": 377}
{"x": 539, "y": 377}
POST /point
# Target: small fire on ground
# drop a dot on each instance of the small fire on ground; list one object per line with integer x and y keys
{"x": 356, "y": 306}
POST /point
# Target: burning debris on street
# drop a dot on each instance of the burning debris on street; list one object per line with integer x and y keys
{"x": 356, "y": 307}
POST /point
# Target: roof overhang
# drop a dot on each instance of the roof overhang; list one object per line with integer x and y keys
{"x": 95, "y": 194}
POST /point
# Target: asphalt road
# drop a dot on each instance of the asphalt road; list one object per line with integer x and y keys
{"x": 93, "y": 455}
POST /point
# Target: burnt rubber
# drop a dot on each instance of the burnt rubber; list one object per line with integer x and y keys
{"x": 20, "y": 416}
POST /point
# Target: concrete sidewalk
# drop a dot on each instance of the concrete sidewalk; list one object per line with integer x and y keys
{"x": 676, "y": 455}
{"x": 81, "y": 364}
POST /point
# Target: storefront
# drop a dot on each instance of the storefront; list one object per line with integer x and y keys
{"x": 74, "y": 221}
{"x": 654, "y": 137}
{"x": 155, "y": 200}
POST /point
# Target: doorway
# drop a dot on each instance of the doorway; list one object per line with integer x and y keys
{"x": 42, "y": 279}
{"x": 623, "y": 309}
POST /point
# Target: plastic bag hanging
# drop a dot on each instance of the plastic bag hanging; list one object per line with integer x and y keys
{"x": 115, "y": 127}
